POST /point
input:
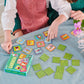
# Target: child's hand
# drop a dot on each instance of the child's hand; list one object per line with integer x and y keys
{"x": 77, "y": 15}
{"x": 7, "y": 46}
{"x": 52, "y": 32}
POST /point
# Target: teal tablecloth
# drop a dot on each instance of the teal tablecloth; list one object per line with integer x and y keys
{"x": 31, "y": 78}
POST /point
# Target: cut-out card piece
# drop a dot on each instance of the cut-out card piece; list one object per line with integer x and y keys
{"x": 19, "y": 61}
{"x": 64, "y": 37}
{"x": 50, "y": 47}
{"x": 17, "y": 48}
{"x": 71, "y": 70}
{"x": 56, "y": 60}
{"x": 26, "y": 60}
{"x": 23, "y": 64}
{"x": 47, "y": 41}
{"x": 64, "y": 62}
{"x": 14, "y": 54}
{"x": 41, "y": 74}
{"x": 45, "y": 33}
{"x": 20, "y": 41}
{"x": 48, "y": 71}
{"x": 22, "y": 56}
{"x": 40, "y": 44}
{"x": 36, "y": 67}
{"x": 44, "y": 57}
{"x": 75, "y": 62}
{"x": 68, "y": 56}
{"x": 23, "y": 69}
{"x": 61, "y": 47}
{"x": 27, "y": 50}
{"x": 18, "y": 67}
{"x": 60, "y": 69}
{"x": 38, "y": 51}
{"x": 30, "y": 42}
{"x": 38, "y": 37}
{"x": 58, "y": 75}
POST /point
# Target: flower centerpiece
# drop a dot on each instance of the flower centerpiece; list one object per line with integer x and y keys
{"x": 79, "y": 32}
{"x": 79, "y": 27}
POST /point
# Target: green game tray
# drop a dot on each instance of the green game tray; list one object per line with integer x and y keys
{"x": 19, "y": 64}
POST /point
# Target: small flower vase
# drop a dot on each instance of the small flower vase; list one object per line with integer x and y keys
{"x": 81, "y": 40}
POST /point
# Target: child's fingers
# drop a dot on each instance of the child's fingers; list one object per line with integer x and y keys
{"x": 77, "y": 17}
{"x": 5, "y": 48}
{"x": 48, "y": 37}
{"x": 10, "y": 46}
{"x": 72, "y": 11}
{"x": 74, "y": 14}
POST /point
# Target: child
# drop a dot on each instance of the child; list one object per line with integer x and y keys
{"x": 33, "y": 16}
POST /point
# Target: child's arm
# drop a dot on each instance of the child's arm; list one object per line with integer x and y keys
{"x": 53, "y": 30}
{"x": 63, "y": 8}
{"x": 7, "y": 44}
{"x": 8, "y": 23}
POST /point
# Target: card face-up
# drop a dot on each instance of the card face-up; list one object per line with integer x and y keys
{"x": 64, "y": 37}
{"x": 17, "y": 48}
{"x": 27, "y": 50}
{"x": 47, "y": 41}
{"x": 40, "y": 44}
{"x": 50, "y": 47}
{"x": 38, "y": 37}
{"x": 45, "y": 33}
{"x": 41, "y": 74}
{"x": 20, "y": 41}
{"x": 38, "y": 51}
{"x": 30, "y": 42}
{"x": 71, "y": 70}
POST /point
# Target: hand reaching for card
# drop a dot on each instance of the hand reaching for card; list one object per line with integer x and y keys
{"x": 7, "y": 46}
{"x": 52, "y": 32}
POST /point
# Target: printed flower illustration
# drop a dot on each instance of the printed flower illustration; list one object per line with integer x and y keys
{"x": 77, "y": 28}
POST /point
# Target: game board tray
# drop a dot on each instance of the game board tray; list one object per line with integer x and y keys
{"x": 19, "y": 64}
